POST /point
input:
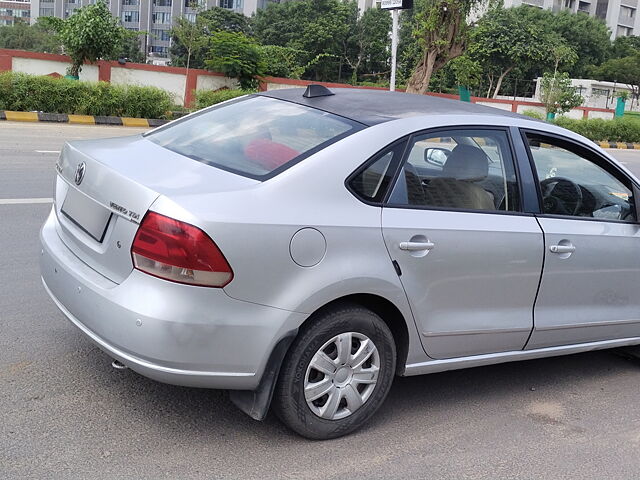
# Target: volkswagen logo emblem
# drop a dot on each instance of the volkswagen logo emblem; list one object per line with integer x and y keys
{"x": 80, "y": 173}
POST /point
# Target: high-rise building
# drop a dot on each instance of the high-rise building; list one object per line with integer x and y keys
{"x": 620, "y": 15}
{"x": 12, "y": 10}
{"x": 152, "y": 16}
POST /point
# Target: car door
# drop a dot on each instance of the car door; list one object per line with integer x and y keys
{"x": 589, "y": 287}
{"x": 469, "y": 260}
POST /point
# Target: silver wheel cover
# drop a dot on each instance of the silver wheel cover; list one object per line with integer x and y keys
{"x": 341, "y": 376}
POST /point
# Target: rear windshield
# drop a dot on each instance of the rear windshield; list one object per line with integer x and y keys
{"x": 257, "y": 137}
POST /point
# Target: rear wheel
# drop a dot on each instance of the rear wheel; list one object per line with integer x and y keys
{"x": 337, "y": 373}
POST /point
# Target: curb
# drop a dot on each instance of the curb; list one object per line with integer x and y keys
{"x": 80, "y": 119}
{"x": 620, "y": 145}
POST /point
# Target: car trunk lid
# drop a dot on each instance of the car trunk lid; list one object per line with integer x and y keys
{"x": 104, "y": 188}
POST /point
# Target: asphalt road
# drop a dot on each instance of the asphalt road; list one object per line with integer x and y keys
{"x": 66, "y": 414}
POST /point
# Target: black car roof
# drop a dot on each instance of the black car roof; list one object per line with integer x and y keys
{"x": 371, "y": 107}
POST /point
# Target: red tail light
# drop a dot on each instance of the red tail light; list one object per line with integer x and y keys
{"x": 179, "y": 252}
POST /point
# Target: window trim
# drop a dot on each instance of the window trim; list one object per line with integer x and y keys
{"x": 590, "y": 154}
{"x": 374, "y": 158}
{"x": 516, "y": 168}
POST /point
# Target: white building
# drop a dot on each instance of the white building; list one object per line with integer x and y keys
{"x": 597, "y": 94}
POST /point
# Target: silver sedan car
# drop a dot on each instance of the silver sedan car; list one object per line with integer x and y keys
{"x": 300, "y": 248}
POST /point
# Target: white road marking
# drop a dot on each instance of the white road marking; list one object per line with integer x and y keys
{"x": 47, "y": 151}
{"x": 21, "y": 201}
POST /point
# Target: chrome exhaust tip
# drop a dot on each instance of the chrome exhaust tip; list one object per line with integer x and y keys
{"x": 118, "y": 365}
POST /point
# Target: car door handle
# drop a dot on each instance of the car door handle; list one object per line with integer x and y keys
{"x": 562, "y": 248}
{"x": 416, "y": 246}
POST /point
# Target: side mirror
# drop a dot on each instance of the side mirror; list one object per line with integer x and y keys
{"x": 436, "y": 156}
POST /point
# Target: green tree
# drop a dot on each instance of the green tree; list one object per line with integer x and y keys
{"x": 625, "y": 47}
{"x": 282, "y": 61}
{"x": 35, "y": 38}
{"x": 318, "y": 27}
{"x": 513, "y": 46}
{"x": 588, "y": 36}
{"x": 129, "y": 48}
{"x": 287, "y": 62}
{"x": 466, "y": 72}
{"x": 503, "y": 40}
{"x": 409, "y": 50}
{"x": 441, "y": 29}
{"x": 189, "y": 44}
{"x": 557, "y": 93}
{"x": 560, "y": 54}
{"x": 367, "y": 43}
{"x": 90, "y": 34}
{"x": 622, "y": 70}
{"x": 190, "y": 40}
{"x": 222, "y": 19}
{"x": 237, "y": 56}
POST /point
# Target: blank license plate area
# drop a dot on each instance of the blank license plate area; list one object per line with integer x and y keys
{"x": 86, "y": 213}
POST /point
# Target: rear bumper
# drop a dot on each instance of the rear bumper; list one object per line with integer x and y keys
{"x": 178, "y": 334}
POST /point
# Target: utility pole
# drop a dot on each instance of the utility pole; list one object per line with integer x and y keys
{"x": 394, "y": 48}
{"x": 395, "y": 6}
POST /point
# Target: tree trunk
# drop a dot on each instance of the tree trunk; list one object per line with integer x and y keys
{"x": 499, "y": 83}
{"x": 74, "y": 70}
{"x": 490, "y": 85}
{"x": 421, "y": 77}
{"x": 443, "y": 42}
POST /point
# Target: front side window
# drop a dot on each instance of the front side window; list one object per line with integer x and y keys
{"x": 254, "y": 136}
{"x": 463, "y": 169}
{"x": 571, "y": 184}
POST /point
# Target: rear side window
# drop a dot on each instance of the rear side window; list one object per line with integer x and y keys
{"x": 372, "y": 181}
{"x": 256, "y": 137}
{"x": 463, "y": 169}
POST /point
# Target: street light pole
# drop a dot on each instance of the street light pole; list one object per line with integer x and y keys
{"x": 394, "y": 48}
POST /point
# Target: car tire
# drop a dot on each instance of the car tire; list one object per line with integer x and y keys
{"x": 305, "y": 373}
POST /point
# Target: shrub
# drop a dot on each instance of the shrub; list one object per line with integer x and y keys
{"x": 598, "y": 129}
{"x": 557, "y": 93}
{"x": 206, "y": 98}
{"x": 533, "y": 114}
{"x": 21, "y": 92}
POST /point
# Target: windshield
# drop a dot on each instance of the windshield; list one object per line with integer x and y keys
{"x": 257, "y": 137}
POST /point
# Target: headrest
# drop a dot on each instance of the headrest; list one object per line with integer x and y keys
{"x": 466, "y": 163}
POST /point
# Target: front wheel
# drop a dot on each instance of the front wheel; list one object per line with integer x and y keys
{"x": 337, "y": 373}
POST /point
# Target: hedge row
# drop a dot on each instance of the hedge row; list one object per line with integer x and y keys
{"x": 22, "y": 92}
{"x": 596, "y": 129}
{"x": 206, "y": 98}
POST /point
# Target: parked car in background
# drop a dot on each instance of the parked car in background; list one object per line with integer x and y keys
{"x": 300, "y": 248}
